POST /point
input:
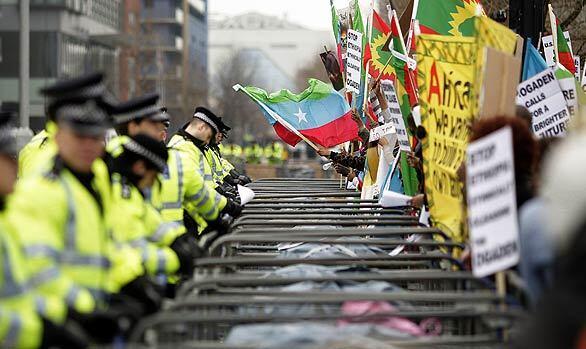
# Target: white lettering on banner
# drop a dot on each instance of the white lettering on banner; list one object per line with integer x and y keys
{"x": 354, "y": 61}
{"x": 492, "y": 203}
{"x": 577, "y": 64}
{"x": 543, "y": 97}
{"x": 396, "y": 115}
{"x": 380, "y": 131}
{"x": 548, "y": 49}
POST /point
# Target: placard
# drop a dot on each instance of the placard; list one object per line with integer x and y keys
{"x": 548, "y": 49}
{"x": 578, "y": 69}
{"x": 396, "y": 117}
{"x": 380, "y": 131}
{"x": 543, "y": 97}
{"x": 354, "y": 61}
{"x": 492, "y": 203}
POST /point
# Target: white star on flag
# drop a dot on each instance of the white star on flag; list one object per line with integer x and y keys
{"x": 301, "y": 116}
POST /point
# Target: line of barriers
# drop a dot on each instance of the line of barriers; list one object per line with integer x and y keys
{"x": 310, "y": 265}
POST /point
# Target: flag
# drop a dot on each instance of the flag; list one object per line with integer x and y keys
{"x": 533, "y": 63}
{"x": 358, "y": 25}
{"x": 319, "y": 113}
{"x": 563, "y": 53}
{"x": 337, "y": 35}
{"x": 381, "y": 33}
{"x": 446, "y": 17}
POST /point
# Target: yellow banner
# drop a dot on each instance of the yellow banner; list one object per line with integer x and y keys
{"x": 447, "y": 68}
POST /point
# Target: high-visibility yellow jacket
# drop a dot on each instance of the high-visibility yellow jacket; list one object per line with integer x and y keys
{"x": 20, "y": 306}
{"x": 194, "y": 151}
{"x": 183, "y": 188}
{"x": 136, "y": 222}
{"x": 63, "y": 231}
{"x": 216, "y": 165}
{"x": 36, "y": 155}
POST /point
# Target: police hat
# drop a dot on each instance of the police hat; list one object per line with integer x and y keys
{"x": 148, "y": 149}
{"x": 84, "y": 116}
{"x": 208, "y": 117}
{"x": 143, "y": 107}
{"x": 88, "y": 86}
{"x": 7, "y": 134}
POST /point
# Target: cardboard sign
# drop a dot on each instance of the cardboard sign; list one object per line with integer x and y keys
{"x": 501, "y": 73}
{"x": 548, "y": 49}
{"x": 354, "y": 61}
{"x": 492, "y": 203}
{"x": 543, "y": 97}
{"x": 378, "y": 132}
{"x": 396, "y": 115}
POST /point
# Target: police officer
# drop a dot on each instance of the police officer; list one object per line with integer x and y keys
{"x": 138, "y": 115}
{"x": 188, "y": 184}
{"x": 165, "y": 248}
{"x": 230, "y": 175}
{"x": 34, "y": 156}
{"x": 27, "y": 320}
{"x": 61, "y": 215}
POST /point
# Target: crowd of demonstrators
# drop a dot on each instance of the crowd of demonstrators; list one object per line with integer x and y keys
{"x": 94, "y": 236}
{"x": 550, "y": 197}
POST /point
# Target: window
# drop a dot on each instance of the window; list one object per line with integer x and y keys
{"x": 131, "y": 19}
{"x": 148, "y": 3}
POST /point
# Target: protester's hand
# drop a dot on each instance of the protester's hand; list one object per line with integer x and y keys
{"x": 417, "y": 200}
{"x": 343, "y": 170}
{"x": 413, "y": 160}
{"x": 323, "y": 151}
{"x": 356, "y": 117}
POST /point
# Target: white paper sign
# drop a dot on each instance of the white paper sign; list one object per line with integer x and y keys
{"x": 424, "y": 217}
{"x": 548, "y": 49}
{"x": 392, "y": 199}
{"x": 492, "y": 203}
{"x": 246, "y": 194}
{"x": 584, "y": 77}
{"x": 396, "y": 116}
{"x": 380, "y": 131}
{"x": 568, "y": 86}
{"x": 577, "y": 64}
{"x": 543, "y": 97}
{"x": 354, "y": 61}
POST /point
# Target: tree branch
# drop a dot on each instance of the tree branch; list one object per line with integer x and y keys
{"x": 574, "y": 14}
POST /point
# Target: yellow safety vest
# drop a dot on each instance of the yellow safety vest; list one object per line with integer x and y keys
{"x": 36, "y": 155}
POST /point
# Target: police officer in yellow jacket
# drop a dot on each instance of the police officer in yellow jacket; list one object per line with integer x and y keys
{"x": 34, "y": 156}
{"x": 27, "y": 319}
{"x": 165, "y": 248}
{"x": 64, "y": 231}
{"x": 188, "y": 183}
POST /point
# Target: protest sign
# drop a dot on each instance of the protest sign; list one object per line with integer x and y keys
{"x": 584, "y": 77}
{"x": 549, "y": 50}
{"x": 568, "y": 85}
{"x": 577, "y": 64}
{"x": 492, "y": 203}
{"x": 380, "y": 131}
{"x": 500, "y": 78}
{"x": 447, "y": 69}
{"x": 246, "y": 194}
{"x": 543, "y": 97}
{"x": 354, "y": 61}
{"x": 396, "y": 116}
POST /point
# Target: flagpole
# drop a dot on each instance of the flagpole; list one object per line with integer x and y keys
{"x": 276, "y": 116}
{"x": 554, "y": 32}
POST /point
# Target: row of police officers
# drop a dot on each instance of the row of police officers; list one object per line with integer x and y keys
{"x": 92, "y": 236}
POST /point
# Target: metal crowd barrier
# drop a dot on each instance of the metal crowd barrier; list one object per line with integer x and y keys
{"x": 304, "y": 252}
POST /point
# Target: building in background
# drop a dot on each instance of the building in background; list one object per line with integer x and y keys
{"x": 276, "y": 47}
{"x": 170, "y": 53}
{"x": 67, "y": 38}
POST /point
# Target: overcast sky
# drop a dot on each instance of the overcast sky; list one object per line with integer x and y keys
{"x": 313, "y": 14}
